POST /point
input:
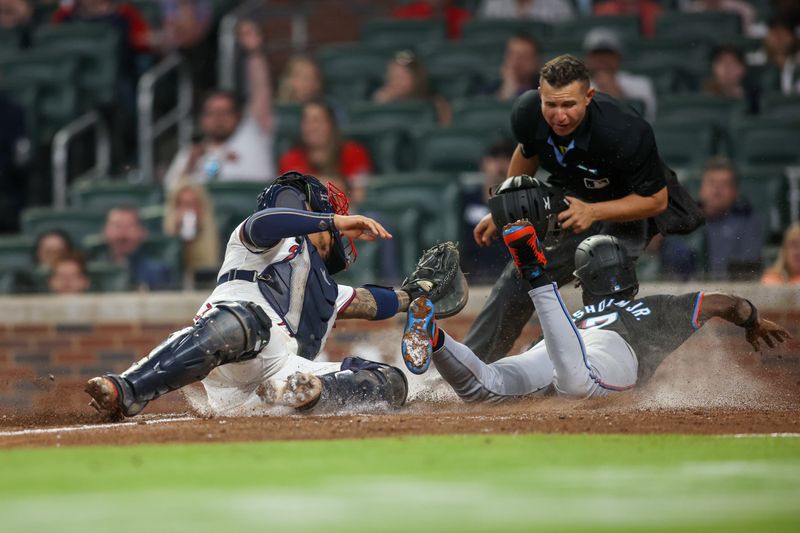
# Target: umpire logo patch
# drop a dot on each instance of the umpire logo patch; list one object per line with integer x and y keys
{"x": 595, "y": 184}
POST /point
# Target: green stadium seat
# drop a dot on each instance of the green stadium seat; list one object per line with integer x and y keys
{"x": 404, "y": 224}
{"x": 766, "y": 142}
{"x": 715, "y": 111}
{"x": 353, "y": 71}
{"x": 54, "y": 76}
{"x": 410, "y": 115}
{"x": 390, "y": 149}
{"x": 151, "y": 9}
{"x": 103, "y": 195}
{"x": 108, "y": 277}
{"x": 77, "y": 223}
{"x": 670, "y": 53}
{"x": 152, "y": 217}
{"x": 287, "y": 132}
{"x": 625, "y": 26}
{"x": 9, "y": 41}
{"x": 96, "y": 47}
{"x": 237, "y": 196}
{"x": 452, "y": 149}
{"x": 684, "y": 146}
{"x": 437, "y": 196}
{"x": 402, "y": 34}
{"x": 766, "y": 188}
{"x": 16, "y": 252}
{"x": 780, "y": 107}
{"x": 488, "y": 114}
{"x": 495, "y": 32}
{"x": 467, "y": 56}
{"x": 715, "y": 26}
{"x": 165, "y": 248}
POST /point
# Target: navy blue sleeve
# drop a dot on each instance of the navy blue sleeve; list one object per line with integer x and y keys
{"x": 267, "y": 227}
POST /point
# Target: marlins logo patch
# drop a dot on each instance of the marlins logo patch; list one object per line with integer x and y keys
{"x": 595, "y": 184}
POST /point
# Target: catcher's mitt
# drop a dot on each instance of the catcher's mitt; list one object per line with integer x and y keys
{"x": 438, "y": 276}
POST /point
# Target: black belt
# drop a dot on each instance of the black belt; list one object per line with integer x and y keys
{"x": 236, "y": 274}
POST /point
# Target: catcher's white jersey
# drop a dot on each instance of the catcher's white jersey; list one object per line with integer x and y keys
{"x": 279, "y": 358}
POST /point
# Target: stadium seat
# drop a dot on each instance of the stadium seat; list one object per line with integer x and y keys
{"x": 9, "y": 41}
{"x": 452, "y": 149}
{"x": 684, "y": 146}
{"x": 16, "y": 252}
{"x": 390, "y": 149}
{"x": 108, "y": 277}
{"x": 489, "y": 114}
{"x": 103, "y": 195}
{"x": 402, "y": 34}
{"x": 692, "y": 110}
{"x": 670, "y": 53}
{"x": 766, "y": 188}
{"x": 437, "y": 196}
{"x": 353, "y": 71}
{"x": 716, "y": 26}
{"x": 77, "y": 223}
{"x": 410, "y": 116}
{"x": 162, "y": 247}
{"x": 152, "y": 217}
{"x": 495, "y": 32}
{"x": 781, "y": 107}
{"x": 235, "y": 195}
{"x": 152, "y": 11}
{"x": 765, "y": 142}
{"x": 374, "y": 257}
{"x": 625, "y": 26}
{"x": 287, "y": 131}
{"x": 54, "y": 77}
{"x": 96, "y": 49}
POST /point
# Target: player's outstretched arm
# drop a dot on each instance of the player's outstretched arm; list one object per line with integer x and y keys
{"x": 744, "y": 314}
{"x": 365, "y": 304}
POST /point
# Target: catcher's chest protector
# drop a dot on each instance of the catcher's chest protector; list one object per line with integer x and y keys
{"x": 300, "y": 290}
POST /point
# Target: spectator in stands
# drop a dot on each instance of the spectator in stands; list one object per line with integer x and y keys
{"x": 781, "y": 52}
{"x": 745, "y": 11}
{"x": 604, "y": 53}
{"x": 520, "y": 69}
{"x": 189, "y": 215}
{"x": 186, "y": 27}
{"x": 301, "y": 81}
{"x": 453, "y": 15}
{"x": 323, "y": 152}
{"x": 646, "y": 10}
{"x": 17, "y": 15}
{"x": 484, "y": 264}
{"x": 729, "y": 77}
{"x": 407, "y": 79}
{"x": 50, "y": 246}
{"x": 69, "y": 275}
{"x": 732, "y": 235}
{"x": 233, "y": 146}
{"x": 539, "y": 10}
{"x": 787, "y": 266}
{"x": 124, "y": 235}
{"x": 15, "y": 151}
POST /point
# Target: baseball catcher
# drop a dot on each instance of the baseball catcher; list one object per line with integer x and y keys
{"x": 612, "y": 344}
{"x": 255, "y": 338}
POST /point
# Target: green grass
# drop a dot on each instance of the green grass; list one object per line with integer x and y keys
{"x": 456, "y": 483}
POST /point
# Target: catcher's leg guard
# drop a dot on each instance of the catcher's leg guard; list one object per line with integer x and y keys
{"x": 229, "y": 333}
{"x": 362, "y": 381}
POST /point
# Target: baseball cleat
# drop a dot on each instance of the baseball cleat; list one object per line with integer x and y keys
{"x": 418, "y": 336}
{"x": 105, "y": 397}
{"x": 300, "y": 390}
{"x": 523, "y": 244}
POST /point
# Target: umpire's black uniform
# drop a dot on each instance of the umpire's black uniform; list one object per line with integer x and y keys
{"x": 611, "y": 155}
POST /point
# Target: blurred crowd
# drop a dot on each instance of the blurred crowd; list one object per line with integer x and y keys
{"x": 237, "y": 132}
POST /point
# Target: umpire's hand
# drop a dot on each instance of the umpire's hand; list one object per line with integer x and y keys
{"x": 578, "y": 217}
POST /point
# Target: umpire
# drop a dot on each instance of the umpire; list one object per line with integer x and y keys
{"x": 603, "y": 156}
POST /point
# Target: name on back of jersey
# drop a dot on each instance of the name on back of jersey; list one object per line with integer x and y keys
{"x": 637, "y": 309}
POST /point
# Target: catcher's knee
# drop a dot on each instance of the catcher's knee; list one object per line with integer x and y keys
{"x": 230, "y": 332}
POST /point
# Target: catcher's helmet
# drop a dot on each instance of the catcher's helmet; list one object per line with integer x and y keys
{"x": 603, "y": 267}
{"x": 294, "y": 190}
{"x": 527, "y": 198}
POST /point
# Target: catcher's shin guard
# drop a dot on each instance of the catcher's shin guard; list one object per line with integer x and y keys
{"x": 229, "y": 333}
{"x": 363, "y": 382}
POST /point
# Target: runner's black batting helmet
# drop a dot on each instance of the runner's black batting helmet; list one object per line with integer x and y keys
{"x": 527, "y": 198}
{"x": 603, "y": 267}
